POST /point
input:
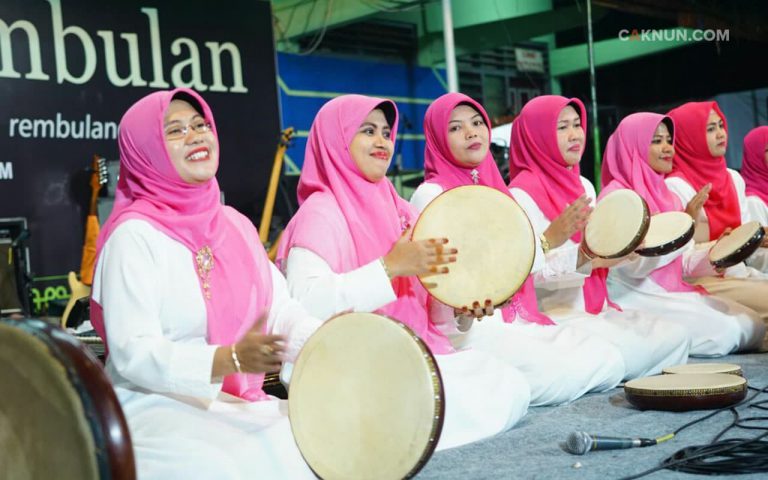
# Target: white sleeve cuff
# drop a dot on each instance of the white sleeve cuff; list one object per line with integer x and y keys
{"x": 371, "y": 286}
{"x": 190, "y": 370}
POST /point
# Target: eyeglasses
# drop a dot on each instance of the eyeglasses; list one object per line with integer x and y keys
{"x": 177, "y": 132}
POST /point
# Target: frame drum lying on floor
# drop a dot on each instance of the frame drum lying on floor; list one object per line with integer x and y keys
{"x": 686, "y": 391}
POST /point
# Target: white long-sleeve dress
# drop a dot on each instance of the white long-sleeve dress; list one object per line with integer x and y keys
{"x": 756, "y": 209}
{"x": 561, "y": 363}
{"x": 483, "y": 396}
{"x": 647, "y": 342}
{"x": 717, "y": 326}
{"x": 744, "y": 284}
{"x": 181, "y": 424}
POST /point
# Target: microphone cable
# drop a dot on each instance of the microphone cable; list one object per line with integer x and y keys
{"x": 722, "y": 457}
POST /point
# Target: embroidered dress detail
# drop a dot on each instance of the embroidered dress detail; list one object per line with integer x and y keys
{"x": 204, "y": 259}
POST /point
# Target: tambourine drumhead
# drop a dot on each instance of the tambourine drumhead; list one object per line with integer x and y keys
{"x": 495, "y": 242}
{"x": 617, "y": 225}
{"x": 365, "y": 399}
{"x": 667, "y": 232}
{"x": 59, "y": 416}
{"x": 686, "y": 391}
{"x": 729, "y": 368}
{"x": 737, "y": 246}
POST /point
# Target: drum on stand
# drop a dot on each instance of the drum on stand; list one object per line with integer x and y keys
{"x": 366, "y": 399}
{"x": 667, "y": 232}
{"x": 494, "y": 238}
{"x": 737, "y": 246}
{"x": 728, "y": 368}
{"x": 686, "y": 391}
{"x": 617, "y": 225}
{"x": 58, "y": 411}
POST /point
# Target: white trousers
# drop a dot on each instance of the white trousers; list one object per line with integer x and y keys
{"x": 560, "y": 363}
{"x": 717, "y": 326}
{"x": 647, "y": 343}
{"x": 483, "y": 397}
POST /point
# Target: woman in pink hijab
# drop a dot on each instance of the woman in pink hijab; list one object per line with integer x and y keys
{"x": 754, "y": 170}
{"x": 190, "y": 308}
{"x": 637, "y": 156}
{"x": 348, "y": 248}
{"x": 546, "y": 145}
{"x": 560, "y": 363}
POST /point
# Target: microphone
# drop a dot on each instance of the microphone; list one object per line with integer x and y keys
{"x": 579, "y": 443}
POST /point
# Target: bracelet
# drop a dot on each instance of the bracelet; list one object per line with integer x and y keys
{"x": 384, "y": 266}
{"x": 235, "y": 360}
{"x": 544, "y": 243}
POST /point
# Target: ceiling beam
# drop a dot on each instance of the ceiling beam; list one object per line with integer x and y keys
{"x": 573, "y": 59}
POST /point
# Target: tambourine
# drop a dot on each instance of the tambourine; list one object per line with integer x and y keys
{"x": 668, "y": 231}
{"x": 617, "y": 225}
{"x": 494, "y": 238}
{"x": 729, "y": 368}
{"x": 365, "y": 399}
{"x": 686, "y": 391}
{"x": 737, "y": 246}
{"x": 61, "y": 417}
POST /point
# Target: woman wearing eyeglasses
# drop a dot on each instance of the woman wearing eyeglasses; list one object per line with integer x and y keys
{"x": 191, "y": 310}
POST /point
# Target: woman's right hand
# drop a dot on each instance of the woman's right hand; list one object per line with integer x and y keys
{"x": 258, "y": 352}
{"x": 570, "y": 221}
{"x": 697, "y": 202}
{"x": 421, "y": 257}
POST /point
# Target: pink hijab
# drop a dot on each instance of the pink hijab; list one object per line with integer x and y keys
{"x": 694, "y": 164}
{"x": 753, "y": 167}
{"x": 150, "y": 189}
{"x": 350, "y": 221}
{"x": 537, "y": 167}
{"x": 442, "y": 169}
{"x": 625, "y": 165}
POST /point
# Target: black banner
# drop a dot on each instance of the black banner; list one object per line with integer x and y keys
{"x": 70, "y": 68}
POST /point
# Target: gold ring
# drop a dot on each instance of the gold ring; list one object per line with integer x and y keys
{"x": 266, "y": 350}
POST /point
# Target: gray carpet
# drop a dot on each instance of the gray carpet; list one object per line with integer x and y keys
{"x": 532, "y": 450}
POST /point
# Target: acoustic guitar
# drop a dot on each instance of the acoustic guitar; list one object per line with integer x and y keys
{"x": 82, "y": 288}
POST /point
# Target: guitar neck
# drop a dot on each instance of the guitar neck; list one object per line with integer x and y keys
{"x": 93, "y": 207}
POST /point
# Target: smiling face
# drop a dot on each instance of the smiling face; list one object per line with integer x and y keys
{"x": 372, "y": 146}
{"x": 570, "y": 135}
{"x": 194, "y": 155}
{"x": 468, "y": 136}
{"x": 717, "y": 136}
{"x": 661, "y": 151}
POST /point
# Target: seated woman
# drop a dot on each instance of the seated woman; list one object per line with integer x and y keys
{"x": 699, "y": 168}
{"x": 190, "y": 308}
{"x": 754, "y": 171}
{"x": 348, "y": 248}
{"x": 560, "y": 363}
{"x": 546, "y": 145}
{"x": 637, "y": 156}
